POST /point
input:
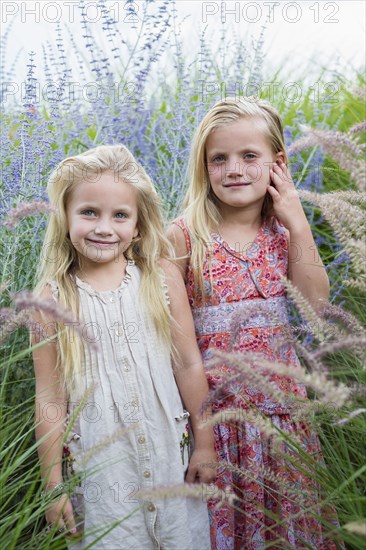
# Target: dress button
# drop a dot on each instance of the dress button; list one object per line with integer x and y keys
{"x": 126, "y": 365}
{"x": 147, "y": 474}
{"x": 151, "y": 507}
{"x": 112, "y": 299}
{"x": 141, "y": 439}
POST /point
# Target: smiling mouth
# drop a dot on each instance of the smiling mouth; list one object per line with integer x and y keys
{"x": 102, "y": 243}
{"x": 237, "y": 184}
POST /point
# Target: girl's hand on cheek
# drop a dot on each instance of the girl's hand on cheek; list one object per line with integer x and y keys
{"x": 286, "y": 201}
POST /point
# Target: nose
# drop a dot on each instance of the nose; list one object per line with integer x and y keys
{"x": 234, "y": 167}
{"x": 103, "y": 227}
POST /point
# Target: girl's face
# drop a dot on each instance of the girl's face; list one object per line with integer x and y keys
{"x": 239, "y": 157}
{"x": 102, "y": 218}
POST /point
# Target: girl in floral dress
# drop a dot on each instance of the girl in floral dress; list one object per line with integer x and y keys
{"x": 105, "y": 259}
{"x": 242, "y": 232}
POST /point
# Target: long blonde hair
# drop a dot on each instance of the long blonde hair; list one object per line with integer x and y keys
{"x": 146, "y": 249}
{"x": 200, "y": 205}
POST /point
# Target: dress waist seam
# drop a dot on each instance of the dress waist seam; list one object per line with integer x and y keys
{"x": 255, "y": 313}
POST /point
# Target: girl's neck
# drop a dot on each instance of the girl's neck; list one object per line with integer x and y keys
{"x": 240, "y": 217}
{"x": 239, "y": 228}
{"x": 103, "y": 277}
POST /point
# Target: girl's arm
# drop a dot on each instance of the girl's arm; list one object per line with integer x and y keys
{"x": 50, "y": 415}
{"x": 176, "y": 236}
{"x": 190, "y": 377}
{"x": 306, "y": 269}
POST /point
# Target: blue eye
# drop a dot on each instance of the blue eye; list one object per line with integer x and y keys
{"x": 250, "y": 156}
{"x": 88, "y": 212}
{"x": 121, "y": 215}
{"x": 218, "y": 158}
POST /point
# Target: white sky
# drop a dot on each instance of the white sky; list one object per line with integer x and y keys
{"x": 329, "y": 34}
{"x": 296, "y": 29}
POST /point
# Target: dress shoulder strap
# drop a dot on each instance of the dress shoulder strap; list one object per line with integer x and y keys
{"x": 180, "y": 222}
{"x": 276, "y": 226}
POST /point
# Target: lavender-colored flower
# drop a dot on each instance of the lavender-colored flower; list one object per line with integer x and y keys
{"x": 348, "y": 153}
{"x": 347, "y": 220}
{"x": 360, "y": 127}
{"x": 10, "y": 321}
{"x": 348, "y": 321}
{"x": 360, "y": 92}
{"x": 25, "y": 209}
{"x": 28, "y": 301}
{"x": 354, "y": 343}
{"x": 351, "y": 415}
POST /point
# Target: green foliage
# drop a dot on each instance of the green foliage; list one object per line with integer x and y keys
{"x": 342, "y": 436}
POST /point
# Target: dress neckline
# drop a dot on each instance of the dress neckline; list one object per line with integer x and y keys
{"x": 86, "y": 286}
{"x": 252, "y": 248}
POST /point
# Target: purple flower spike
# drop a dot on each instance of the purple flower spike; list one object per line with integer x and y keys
{"x": 25, "y": 209}
{"x": 27, "y": 300}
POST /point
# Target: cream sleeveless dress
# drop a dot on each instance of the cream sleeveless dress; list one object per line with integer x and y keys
{"x": 127, "y": 432}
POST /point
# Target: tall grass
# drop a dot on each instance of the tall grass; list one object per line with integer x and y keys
{"x": 155, "y": 116}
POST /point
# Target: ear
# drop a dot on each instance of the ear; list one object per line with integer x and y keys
{"x": 135, "y": 232}
{"x": 280, "y": 157}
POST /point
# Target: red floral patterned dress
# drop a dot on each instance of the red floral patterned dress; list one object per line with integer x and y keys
{"x": 245, "y": 310}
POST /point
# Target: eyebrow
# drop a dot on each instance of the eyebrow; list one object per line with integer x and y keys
{"x": 246, "y": 149}
{"x": 95, "y": 206}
